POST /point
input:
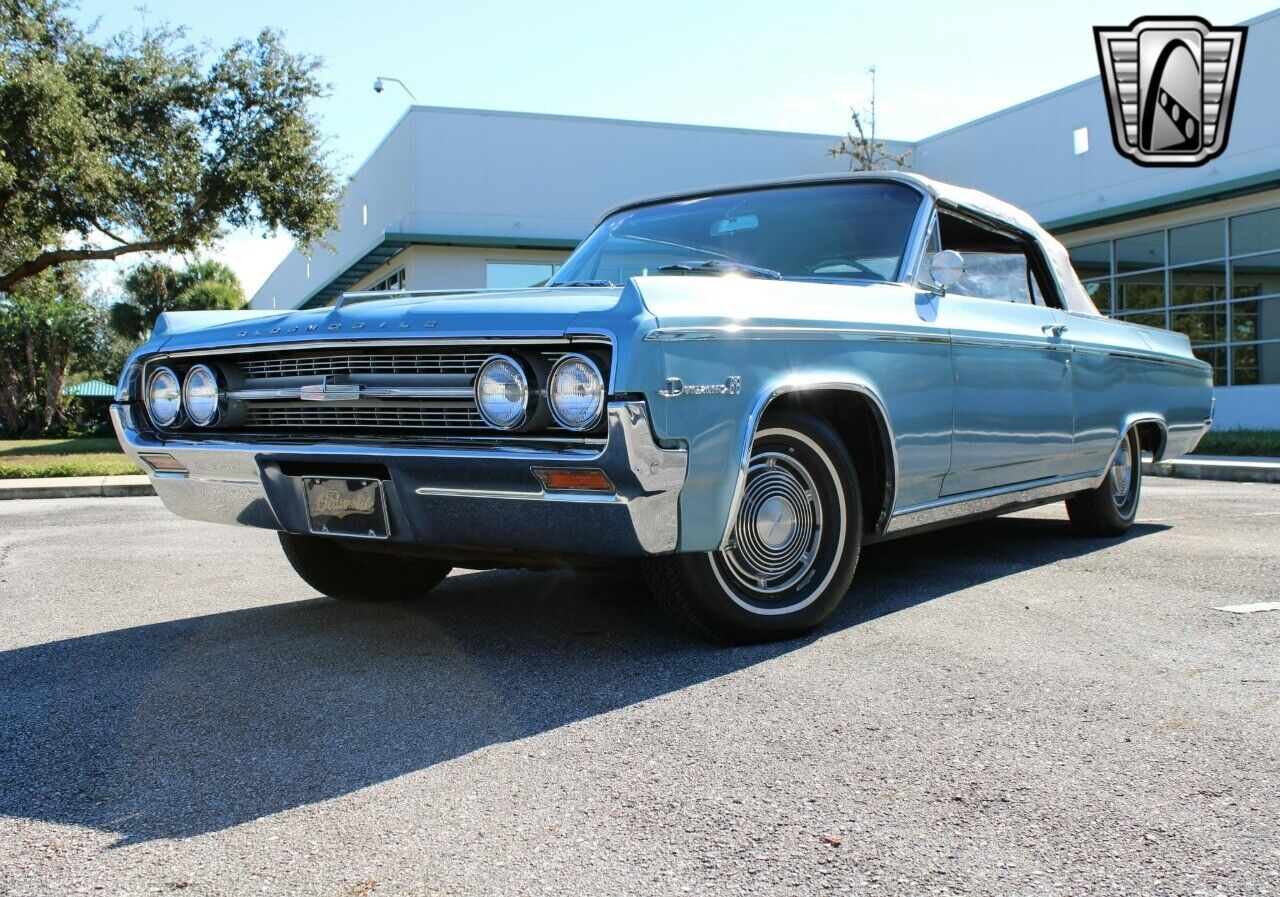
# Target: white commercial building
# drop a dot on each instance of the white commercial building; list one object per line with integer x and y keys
{"x": 459, "y": 198}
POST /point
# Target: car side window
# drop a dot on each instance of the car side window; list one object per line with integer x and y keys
{"x": 998, "y": 266}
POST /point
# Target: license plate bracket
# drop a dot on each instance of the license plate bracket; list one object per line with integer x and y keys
{"x": 354, "y": 507}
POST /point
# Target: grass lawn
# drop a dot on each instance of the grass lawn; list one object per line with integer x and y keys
{"x": 26, "y": 458}
{"x": 1240, "y": 442}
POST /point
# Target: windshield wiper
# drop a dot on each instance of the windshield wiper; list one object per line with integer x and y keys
{"x": 585, "y": 283}
{"x": 717, "y": 266}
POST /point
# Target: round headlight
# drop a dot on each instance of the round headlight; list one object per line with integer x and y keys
{"x": 164, "y": 397}
{"x": 577, "y": 392}
{"x": 502, "y": 393}
{"x": 200, "y": 395}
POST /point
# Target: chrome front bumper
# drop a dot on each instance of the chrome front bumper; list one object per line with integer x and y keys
{"x": 458, "y": 497}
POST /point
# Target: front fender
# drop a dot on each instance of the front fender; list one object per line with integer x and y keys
{"x": 718, "y": 428}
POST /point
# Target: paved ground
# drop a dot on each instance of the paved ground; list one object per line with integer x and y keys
{"x": 1003, "y": 709}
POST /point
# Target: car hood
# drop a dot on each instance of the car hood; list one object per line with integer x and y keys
{"x": 549, "y": 312}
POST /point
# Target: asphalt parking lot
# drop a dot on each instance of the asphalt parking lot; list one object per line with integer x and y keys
{"x": 999, "y": 709}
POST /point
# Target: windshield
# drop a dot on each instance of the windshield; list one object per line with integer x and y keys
{"x": 851, "y": 231}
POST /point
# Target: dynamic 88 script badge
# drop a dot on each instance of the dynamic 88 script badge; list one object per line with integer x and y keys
{"x": 1171, "y": 84}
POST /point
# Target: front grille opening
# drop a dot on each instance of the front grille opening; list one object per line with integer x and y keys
{"x": 264, "y": 391}
{"x": 383, "y": 415}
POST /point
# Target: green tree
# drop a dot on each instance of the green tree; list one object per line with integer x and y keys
{"x": 141, "y": 143}
{"x": 154, "y": 287}
{"x": 46, "y": 325}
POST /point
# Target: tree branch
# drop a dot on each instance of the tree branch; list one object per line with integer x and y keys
{"x": 46, "y": 260}
{"x": 98, "y": 224}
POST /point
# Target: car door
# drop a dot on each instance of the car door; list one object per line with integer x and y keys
{"x": 1014, "y": 417}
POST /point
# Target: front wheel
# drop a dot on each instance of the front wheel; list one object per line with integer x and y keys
{"x": 793, "y": 545}
{"x": 334, "y": 570}
{"x": 1111, "y": 508}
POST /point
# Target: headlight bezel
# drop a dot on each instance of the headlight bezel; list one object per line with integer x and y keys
{"x": 148, "y": 397}
{"x": 217, "y": 395}
{"x": 601, "y": 397}
{"x": 524, "y": 383}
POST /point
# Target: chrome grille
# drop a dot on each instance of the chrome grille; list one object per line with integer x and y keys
{"x": 375, "y": 416}
{"x": 465, "y": 363}
{"x": 405, "y": 391}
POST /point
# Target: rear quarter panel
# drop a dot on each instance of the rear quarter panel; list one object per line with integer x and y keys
{"x": 1127, "y": 372}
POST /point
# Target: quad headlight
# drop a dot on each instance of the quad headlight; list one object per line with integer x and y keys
{"x": 502, "y": 393}
{"x": 164, "y": 397}
{"x": 576, "y": 391}
{"x": 200, "y": 395}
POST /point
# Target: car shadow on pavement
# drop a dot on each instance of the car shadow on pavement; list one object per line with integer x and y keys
{"x": 190, "y": 726}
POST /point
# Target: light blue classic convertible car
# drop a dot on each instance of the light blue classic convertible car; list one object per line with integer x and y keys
{"x": 741, "y": 386}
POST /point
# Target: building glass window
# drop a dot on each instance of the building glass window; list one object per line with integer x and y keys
{"x": 1255, "y": 232}
{"x": 1258, "y": 275}
{"x": 1197, "y": 242}
{"x": 1100, "y": 292}
{"x": 391, "y": 283}
{"x": 1218, "y": 282}
{"x": 1217, "y": 357}
{"x": 516, "y": 275}
{"x": 1093, "y": 260}
{"x": 1198, "y": 283}
{"x": 1140, "y": 292}
{"x": 1141, "y": 252}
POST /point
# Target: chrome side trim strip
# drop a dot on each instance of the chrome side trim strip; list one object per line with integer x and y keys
{"x": 1031, "y": 342}
{"x": 1132, "y": 355}
{"x": 990, "y": 501}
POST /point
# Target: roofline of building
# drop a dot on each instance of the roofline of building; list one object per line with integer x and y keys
{"x": 397, "y": 241}
{"x": 1255, "y": 183}
{"x": 629, "y": 122}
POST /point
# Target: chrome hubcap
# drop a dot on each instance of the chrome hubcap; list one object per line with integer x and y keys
{"x": 1122, "y": 472}
{"x": 779, "y": 525}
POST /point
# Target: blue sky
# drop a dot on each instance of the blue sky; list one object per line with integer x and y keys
{"x": 794, "y": 65}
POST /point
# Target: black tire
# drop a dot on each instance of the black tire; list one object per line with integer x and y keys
{"x": 707, "y": 593}
{"x": 334, "y": 570}
{"x": 1110, "y": 509}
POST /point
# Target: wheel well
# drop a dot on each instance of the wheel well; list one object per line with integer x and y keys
{"x": 1151, "y": 438}
{"x": 858, "y": 423}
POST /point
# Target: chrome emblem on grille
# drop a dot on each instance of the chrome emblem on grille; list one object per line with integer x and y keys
{"x": 675, "y": 387}
{"x": 329, "y": 392}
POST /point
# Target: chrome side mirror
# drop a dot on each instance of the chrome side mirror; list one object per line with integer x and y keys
{"x": 946, "y": 268}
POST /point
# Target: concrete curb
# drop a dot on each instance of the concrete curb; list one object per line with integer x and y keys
{"x": 1218, "y": 467}
{"x": 76, "y": 487}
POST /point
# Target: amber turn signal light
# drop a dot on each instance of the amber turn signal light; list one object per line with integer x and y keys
{"x": 162, "y": 463}
{"x": 560, "y": 479}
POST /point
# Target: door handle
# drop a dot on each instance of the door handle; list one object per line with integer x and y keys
{"x": 1054, "y": 329}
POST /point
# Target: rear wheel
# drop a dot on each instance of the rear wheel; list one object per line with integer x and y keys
{"x": 792, "y": 548}
{"x": 332, "y": 569}
{"x": 1110, "y": 509}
